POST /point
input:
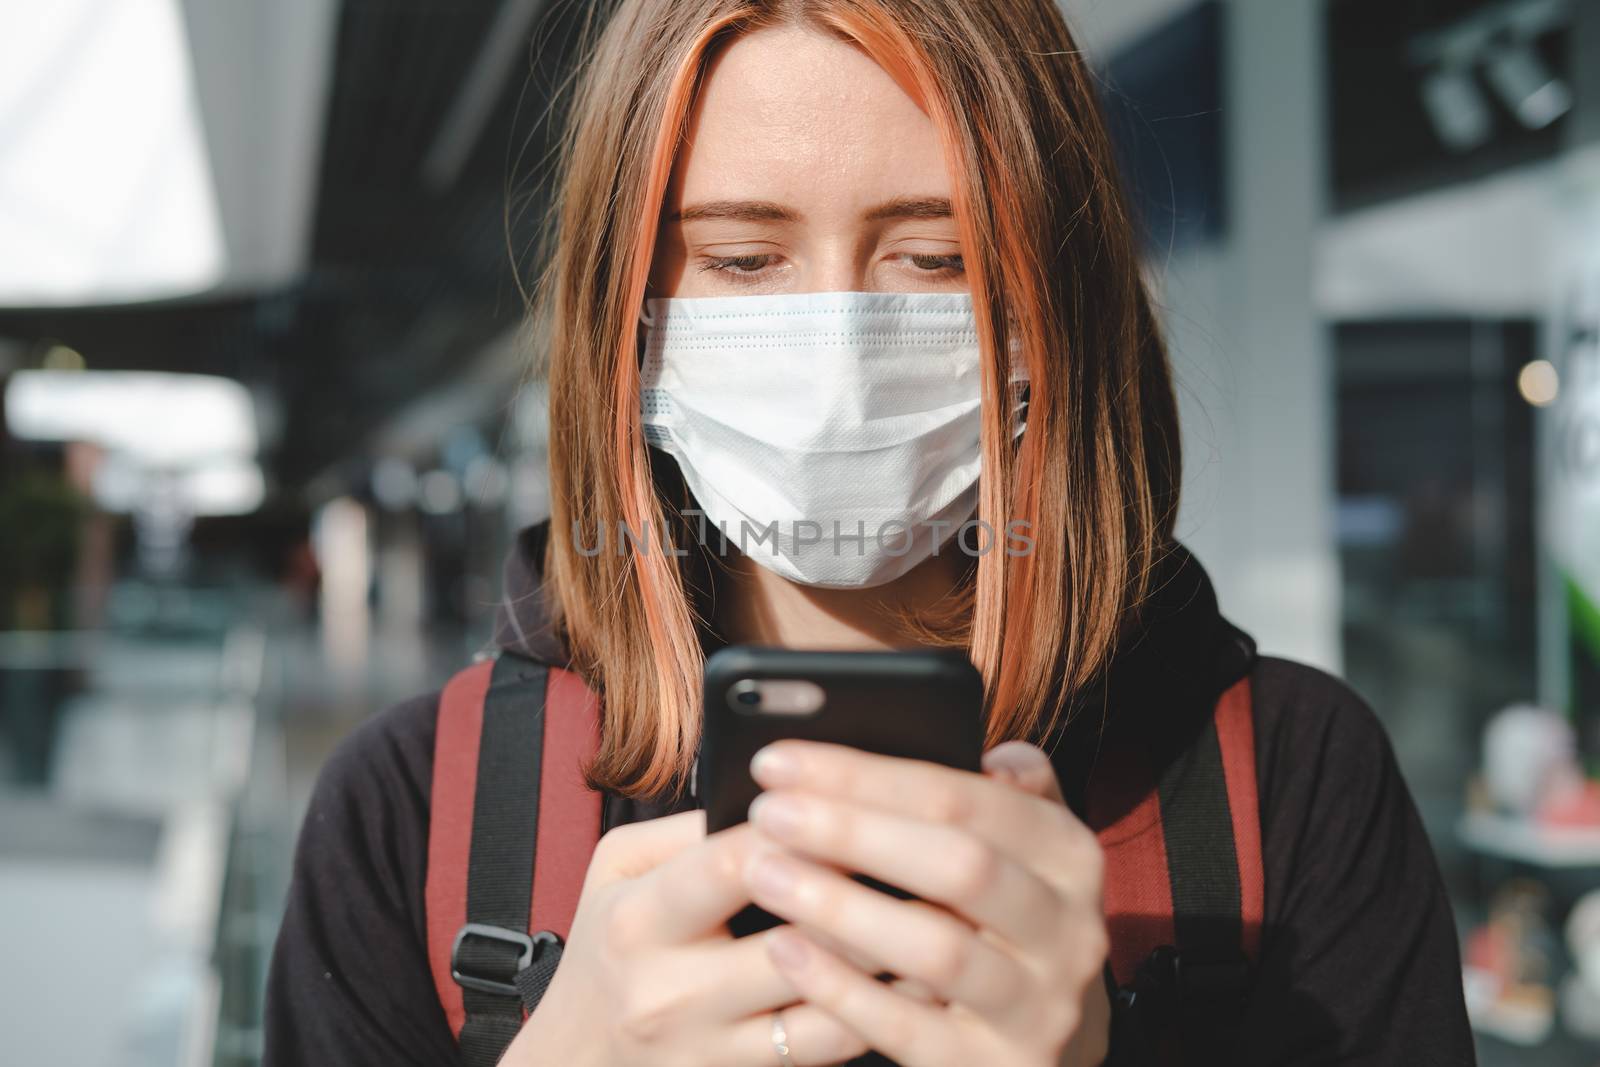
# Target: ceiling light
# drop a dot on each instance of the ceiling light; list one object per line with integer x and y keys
{"x": 60, "y": 357}
{"x": 228, "y": 486}
{"x": 1539, "y": 383}
{"x": 439, "y": 493}
{"x": 105, "y": 186}
{"x": 1459, "y": 111}
{"x": 160, "y": 419}
{"x": 1533, "y": 93}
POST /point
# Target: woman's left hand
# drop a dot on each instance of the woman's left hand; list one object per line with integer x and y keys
{"x": 1001, "y": 960}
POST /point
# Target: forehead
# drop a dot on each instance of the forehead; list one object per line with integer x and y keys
{"x": 795, "y": 114}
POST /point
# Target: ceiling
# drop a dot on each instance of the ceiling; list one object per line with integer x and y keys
{"x": 401, "y": 271}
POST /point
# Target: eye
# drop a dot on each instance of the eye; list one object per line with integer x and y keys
{"x": 938, "y": 265}
{"x": 738, "y": 267}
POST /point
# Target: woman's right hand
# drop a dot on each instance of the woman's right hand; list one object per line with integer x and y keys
{"x": 650, "y": 974}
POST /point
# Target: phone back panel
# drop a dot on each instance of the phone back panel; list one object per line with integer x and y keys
{"x": 916, "y": 705}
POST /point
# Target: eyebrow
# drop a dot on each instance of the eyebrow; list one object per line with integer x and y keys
{"x": 736, "y": 211}
{"x": 926, "y": 207}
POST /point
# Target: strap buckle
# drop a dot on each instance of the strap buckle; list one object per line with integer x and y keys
{"x": 503, "y": 984}
{"x": 1193, "y": 984}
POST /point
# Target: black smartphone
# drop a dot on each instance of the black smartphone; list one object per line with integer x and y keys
{"x": 925, "y": 705}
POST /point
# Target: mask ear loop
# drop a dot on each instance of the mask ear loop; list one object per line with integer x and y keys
{"x": 648, "y": 321}
{"x": 1018, "y": 386}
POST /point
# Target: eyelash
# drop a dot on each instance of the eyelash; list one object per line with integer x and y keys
{"x": 743, "y": 269}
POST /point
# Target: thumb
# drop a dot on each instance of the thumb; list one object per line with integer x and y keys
{"x": 1026, "y": 767}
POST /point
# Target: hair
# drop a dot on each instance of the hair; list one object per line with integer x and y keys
{"x": 1053, "y": 263}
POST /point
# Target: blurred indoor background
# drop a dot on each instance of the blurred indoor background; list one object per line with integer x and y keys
{"x": 266, "y": 437}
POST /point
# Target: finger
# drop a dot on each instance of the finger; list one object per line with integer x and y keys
{"x": 905, "y": 1030}
{"x": 853, "y": 955}
{"x": 862, "y": 962}
{"x": 945, "y": 864}
{"x": 726, "y": 979}
{"x": 1027, "y": 767}
{"x": 814, "y": 1038}
{"x": 1011, "y": 818}
{"x": 691, "y": 894}
{"x": 908, "y": 987}
{"x": 634, "y": 849}
{"x": 910, "y": 939}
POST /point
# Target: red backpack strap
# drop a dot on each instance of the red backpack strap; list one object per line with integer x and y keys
{"x": 1184, "y": 888}
{"x": 569, "y": 811}
{"x": 511, "y": 831}
{"x": 1236, "y": 737}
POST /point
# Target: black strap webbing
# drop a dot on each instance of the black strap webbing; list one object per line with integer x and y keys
{"x": 1208, "y": 969}
{"x": 1201, "y": 861}
{"x": 535, "y": 979}
{"x": 505, "y": 824}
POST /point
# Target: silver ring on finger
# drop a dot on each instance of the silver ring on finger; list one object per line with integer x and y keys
{"x": 780, "y": 1041}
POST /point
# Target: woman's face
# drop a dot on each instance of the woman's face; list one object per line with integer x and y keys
{"x": 807, "y": 169}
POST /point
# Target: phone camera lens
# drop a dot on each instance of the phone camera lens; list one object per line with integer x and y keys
{"x": 747, "y": 694}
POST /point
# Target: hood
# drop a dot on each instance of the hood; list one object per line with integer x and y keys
{"x": 522, "y": 619}
{"x": 1158, "y": 692}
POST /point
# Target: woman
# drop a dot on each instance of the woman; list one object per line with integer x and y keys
{"x": 823, "y": 259}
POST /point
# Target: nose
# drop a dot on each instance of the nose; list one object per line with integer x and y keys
{"x": 835, "y": 266}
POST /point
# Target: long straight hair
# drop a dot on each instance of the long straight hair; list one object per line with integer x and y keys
{"x": 1053, "y": 264}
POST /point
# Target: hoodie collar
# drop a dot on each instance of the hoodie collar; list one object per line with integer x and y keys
{"x": 522, "y": 620}
{"x": 1162, "y": 685}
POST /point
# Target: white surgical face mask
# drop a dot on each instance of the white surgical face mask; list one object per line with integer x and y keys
{"x": 831, "y": 437}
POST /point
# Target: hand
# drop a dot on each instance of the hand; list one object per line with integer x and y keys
{"x": 1008, "y": 937}
{"x": 650, "y": 974}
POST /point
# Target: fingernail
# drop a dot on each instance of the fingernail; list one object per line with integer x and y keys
{"x": 788, "y": 949}
{"x": 1024, "y": 767}
{"x": 773, "y": 766}
{"x": 772, "y": 876}
{"x": 781, "y": 816}
{"x": 1013, "y": 759}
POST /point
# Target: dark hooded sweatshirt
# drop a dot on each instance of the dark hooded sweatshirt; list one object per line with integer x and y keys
{"x": 1358, "y": 958}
